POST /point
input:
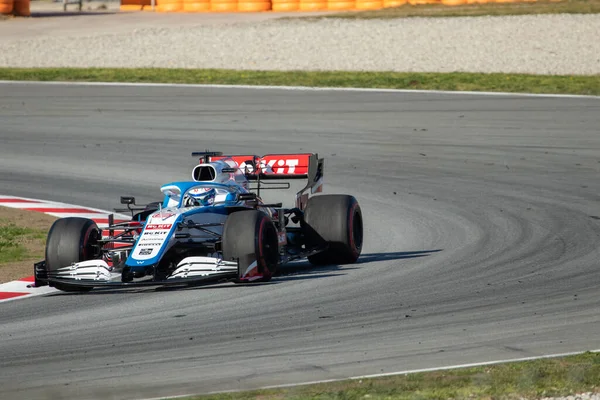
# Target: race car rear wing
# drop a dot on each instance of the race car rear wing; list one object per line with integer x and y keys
{"x": 271, "y": 167}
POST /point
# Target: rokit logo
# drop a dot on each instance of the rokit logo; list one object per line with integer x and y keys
{"x": 158, "y": 226}
{"x": 273, "y": 166}
{"x": 156, "y": 233}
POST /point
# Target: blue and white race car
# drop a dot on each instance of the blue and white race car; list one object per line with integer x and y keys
{"x": 214, "y": 228}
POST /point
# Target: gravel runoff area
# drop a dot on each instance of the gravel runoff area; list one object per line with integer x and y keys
{"x": 548, "y": 44}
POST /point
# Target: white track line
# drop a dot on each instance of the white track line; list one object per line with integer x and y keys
{"x": 413, "y": 371}
{"x": 300, "y": 88}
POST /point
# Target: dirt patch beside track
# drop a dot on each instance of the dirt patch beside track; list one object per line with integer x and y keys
{"x": 33, "y": 244}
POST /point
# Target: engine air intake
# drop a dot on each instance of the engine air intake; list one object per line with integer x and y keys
{"x": 204, "y": 173}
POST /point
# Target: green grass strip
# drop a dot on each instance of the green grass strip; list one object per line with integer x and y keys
{"x": 476, "y": 10}
{"x": 11, "y": 241}
{"x": 560, "y": 84}
{"x": 520, "y": 380}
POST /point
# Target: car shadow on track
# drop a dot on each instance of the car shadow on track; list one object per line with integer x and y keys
{"x": 305, "y": 270}
{"x": 398, "y": 255}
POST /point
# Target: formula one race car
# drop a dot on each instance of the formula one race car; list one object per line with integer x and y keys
{"x": 214, "y": 228}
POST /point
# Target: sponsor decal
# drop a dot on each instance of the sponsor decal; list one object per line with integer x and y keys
{"x": 155, "y": 239}
{"x": 156, "y": 233}
{"x": 272, "y": 166}
{"x": 163, "y": 215}
{"x": 281, "y": 166}
{"x": 278, "y": 164}
{"x": 282, "y": 238}
{"x": 145, "y": 252}
{"x": 159, "y": 226}
{"x": 150, "y": 238}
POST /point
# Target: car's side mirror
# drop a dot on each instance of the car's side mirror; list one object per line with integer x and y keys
{"x": 247, "y": 196}
{"x": 127, "y": 200}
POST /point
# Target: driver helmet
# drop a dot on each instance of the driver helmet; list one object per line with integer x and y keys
{"x": 206, "y": 198}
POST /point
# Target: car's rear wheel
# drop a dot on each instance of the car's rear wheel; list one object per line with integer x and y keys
{"x": 71, "y": 240}
{"x": 251, "y": 237}
{"x": 334, "y": 220}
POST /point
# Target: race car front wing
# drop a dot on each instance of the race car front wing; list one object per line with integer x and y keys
{"x": 97, "y": 273}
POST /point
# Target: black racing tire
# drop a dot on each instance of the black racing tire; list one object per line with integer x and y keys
{"x": 70, "y": 240}
{"x": 337, "y": 220}
{"x": 250, "y": 235}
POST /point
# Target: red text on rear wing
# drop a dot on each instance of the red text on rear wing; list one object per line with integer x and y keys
{"x": 274, "y": 165}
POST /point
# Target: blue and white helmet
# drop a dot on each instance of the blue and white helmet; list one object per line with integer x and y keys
{"x": 208, "y": 198}
{"x": 200, "y": 197}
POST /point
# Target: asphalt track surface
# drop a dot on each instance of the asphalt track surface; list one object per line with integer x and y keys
{"x": 482, "y": 237}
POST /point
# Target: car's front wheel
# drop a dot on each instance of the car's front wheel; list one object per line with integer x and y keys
{"x": 251, "y": 237}
{"x": 71, "y": 240}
